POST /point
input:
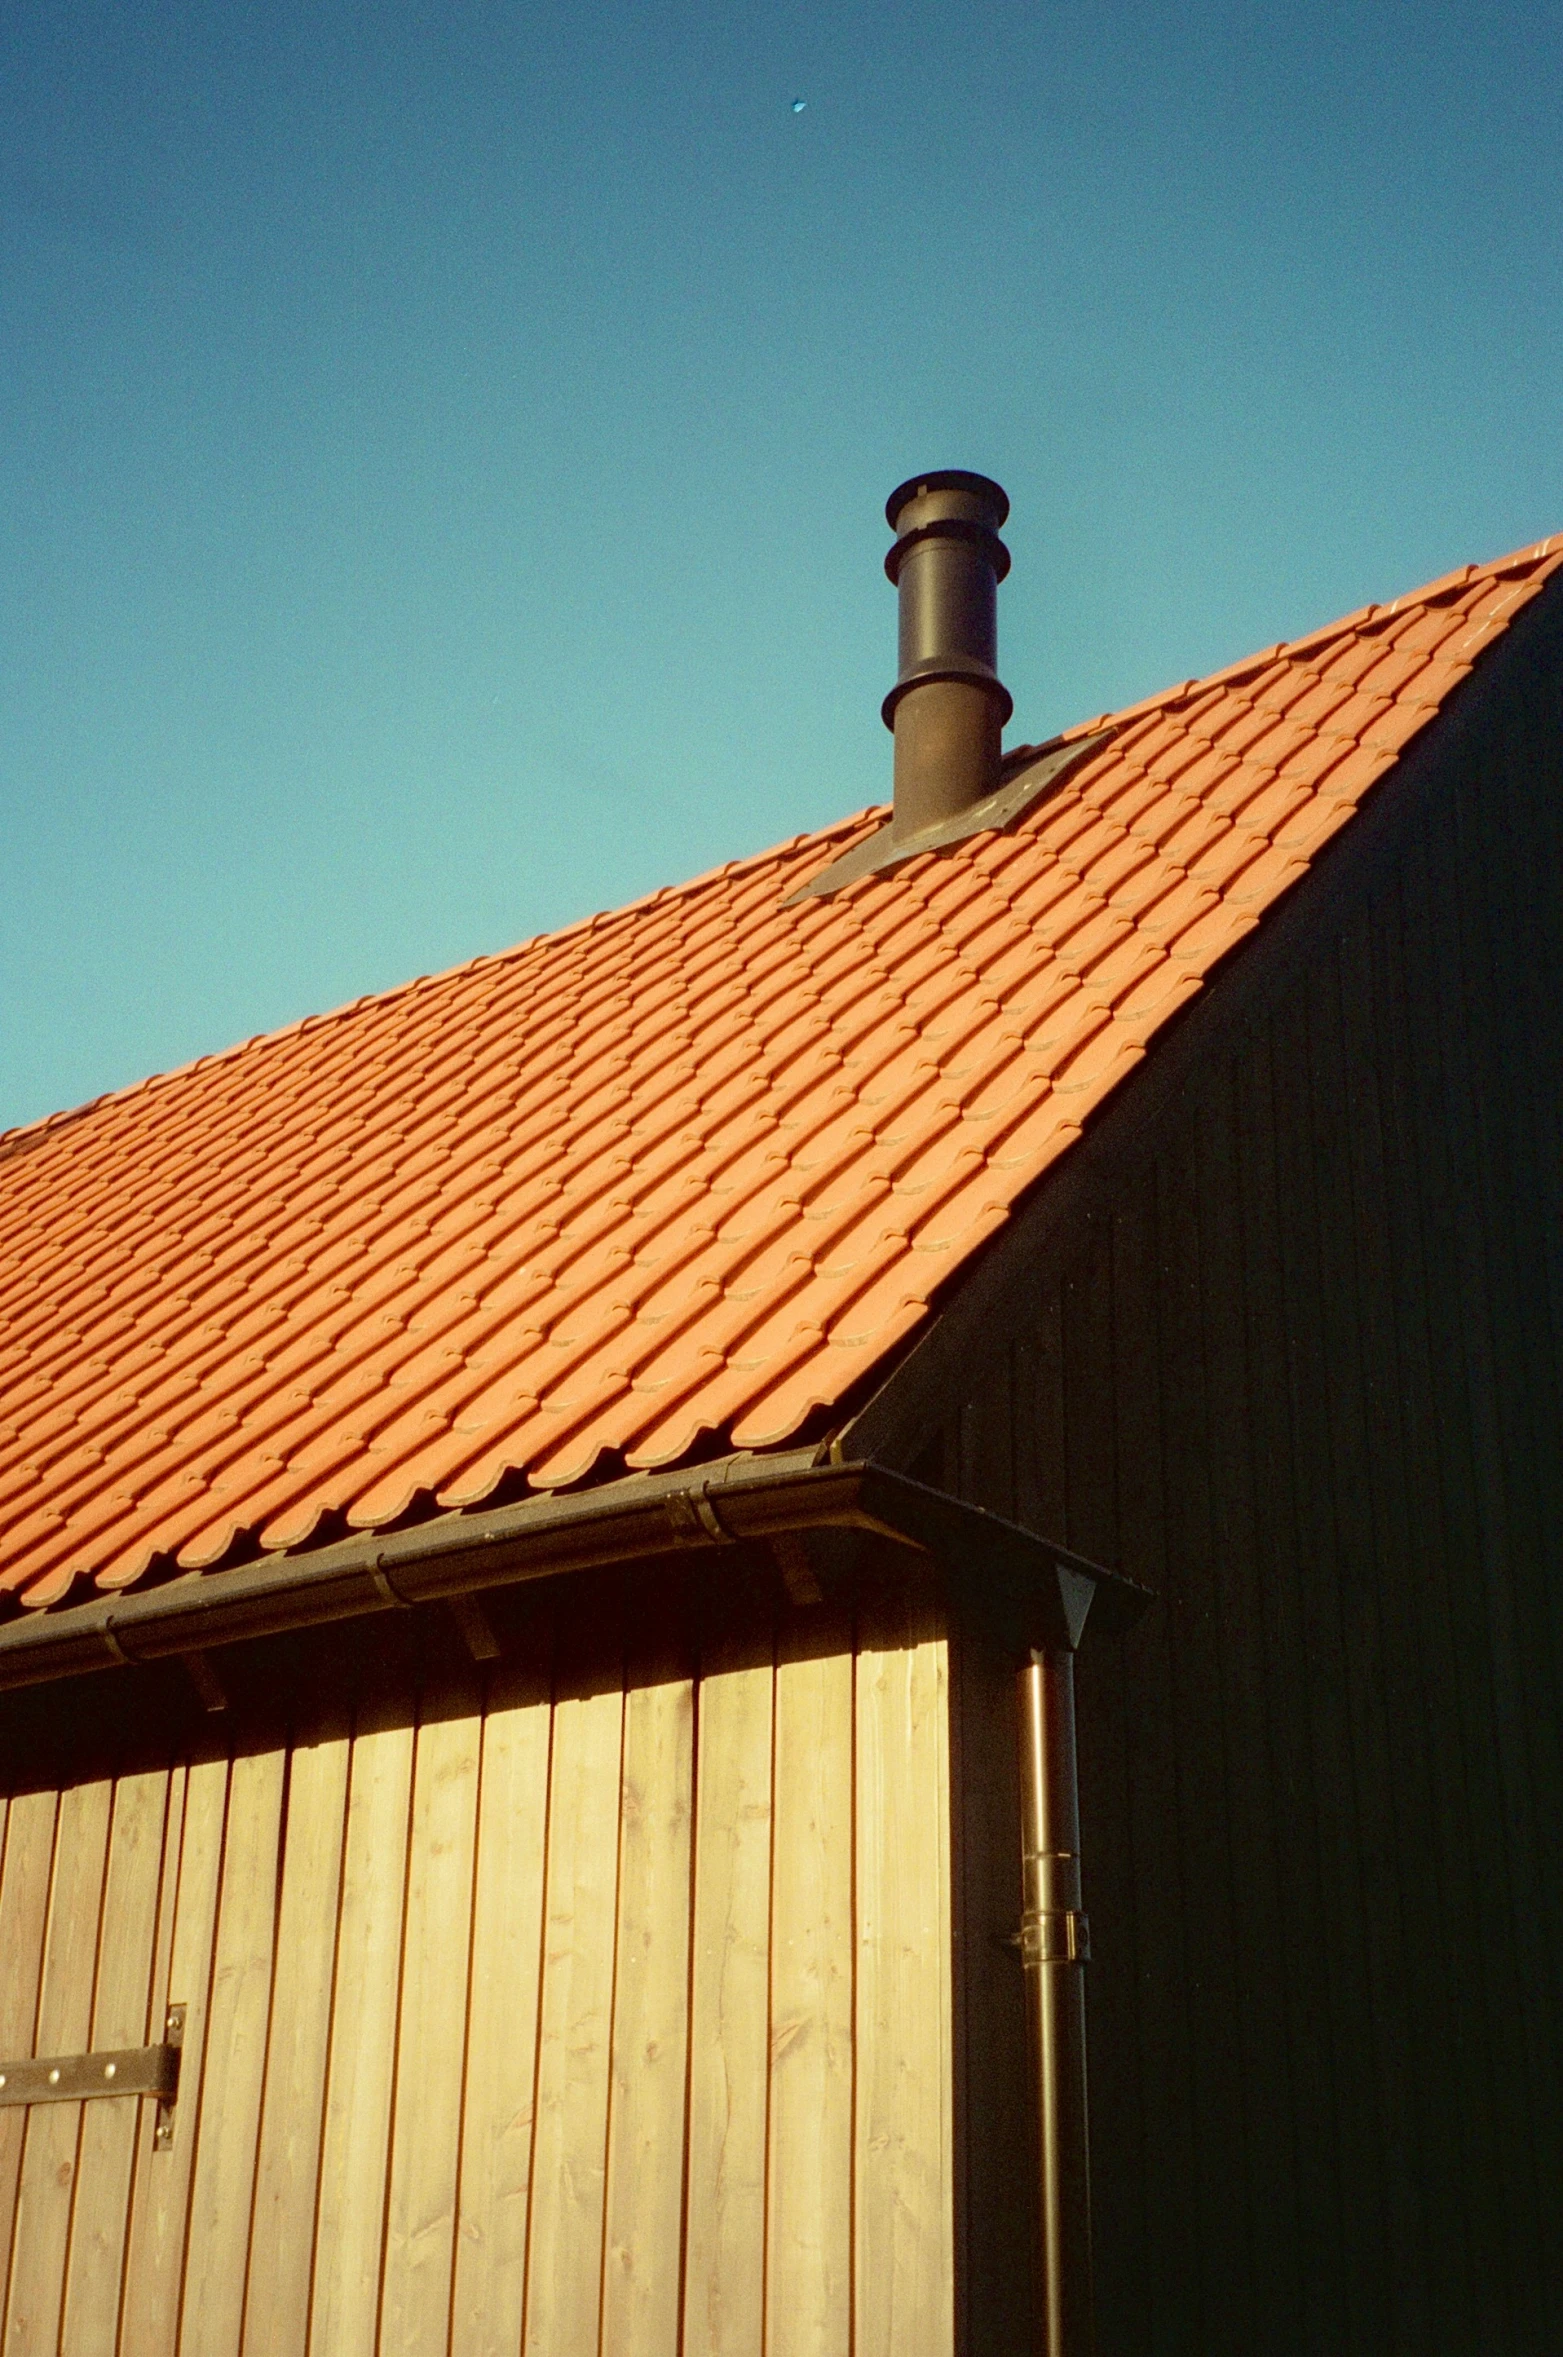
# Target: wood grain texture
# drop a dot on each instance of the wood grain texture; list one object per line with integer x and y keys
{"x": 808, "y": 2288}
{"x": 276, "y": 2312}
{"x": 1143, "y": 2133}
{"x": 1293, "y": 1357}
{"x": 903, "y": 2205}
{"x": 644, "y": 2193}
{"x": 1300, "y": 2164}
{"x": 49, "y": 2155}
{"x": 991, "y": 2099}
{"x": 1311, "y": 1398}
{"x": 145, "y": 2150}
{"x": 420, "y": 2230}
{"x": 724, "y": 2291}
{"x": 564, "y": 2272}
{"x": 345, "y": 2300}
{"x": 119, "y": 2018}
{"x": 24, "y": 1914}
{"x": 1464, "y": 1642}
{"x": 154, "y": 2267}
{"x": 228, "y": 2127}
{"x": 385, "y": 2143}
{"x": 1260, "y": 2046}
{"x": 496, "y": 2149}
{"x": 1369, "y": 2042}
{"x": 1410, "y": 1778}
{"x": 1514, "y": 1419}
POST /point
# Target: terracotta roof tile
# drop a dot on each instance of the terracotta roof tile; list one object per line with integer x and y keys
{"x": 684, "y": 1175}
{"x": 1266, "y": 875}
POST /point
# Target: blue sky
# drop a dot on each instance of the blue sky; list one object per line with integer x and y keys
{"x": 442, "y": 449}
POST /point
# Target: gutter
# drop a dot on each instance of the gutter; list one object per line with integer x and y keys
{"x": 1043, "y": 1588}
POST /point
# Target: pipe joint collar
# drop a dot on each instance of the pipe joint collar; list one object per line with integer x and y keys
{"x": 969, "y": 668}
{"x": 979, "y": 536}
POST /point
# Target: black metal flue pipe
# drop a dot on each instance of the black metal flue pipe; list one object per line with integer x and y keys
{"x": 948, "y": 706}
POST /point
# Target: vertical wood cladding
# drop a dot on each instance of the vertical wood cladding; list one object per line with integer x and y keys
{"x": 603, "y": 2005}
{"x": 1297, "y": 1368}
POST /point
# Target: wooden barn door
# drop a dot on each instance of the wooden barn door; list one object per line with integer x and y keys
{"x": 560, "y": 2015}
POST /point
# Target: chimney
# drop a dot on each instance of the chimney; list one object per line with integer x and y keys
{"x": 948, "y": 707}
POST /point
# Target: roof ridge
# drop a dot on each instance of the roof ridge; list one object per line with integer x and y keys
{"x": 1326, "y": 634}
{"x": 29, "y": 1133}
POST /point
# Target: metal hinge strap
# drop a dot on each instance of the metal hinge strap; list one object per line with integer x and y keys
{"x": 75, "y": 2078}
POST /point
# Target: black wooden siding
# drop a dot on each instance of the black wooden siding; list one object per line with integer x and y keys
{"x": 1294, "y": 1363}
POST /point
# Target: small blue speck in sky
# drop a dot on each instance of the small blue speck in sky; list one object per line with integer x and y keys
{"x": 798, "y": 105}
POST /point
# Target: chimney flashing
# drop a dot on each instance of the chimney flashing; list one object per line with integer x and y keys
{"x": 1041, "y": 768}
{"x": 948, "y": 707}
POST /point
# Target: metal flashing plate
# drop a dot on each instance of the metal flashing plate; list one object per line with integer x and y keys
{"x": 1008, "y": 802}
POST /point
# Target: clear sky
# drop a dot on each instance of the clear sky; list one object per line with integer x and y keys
{"x": 442, "y": 449}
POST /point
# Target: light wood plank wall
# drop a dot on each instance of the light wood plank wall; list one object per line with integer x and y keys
{"x": 576, "y": 2022}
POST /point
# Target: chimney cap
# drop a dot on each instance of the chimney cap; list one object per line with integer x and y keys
{"x": 949, "y": 479}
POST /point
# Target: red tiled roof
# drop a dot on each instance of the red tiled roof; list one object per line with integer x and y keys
{"x": 679, "y": 1177}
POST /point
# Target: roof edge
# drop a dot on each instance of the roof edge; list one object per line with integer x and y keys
{"x": 26, "y": 1134}
{"x": 983, "y": 1304}
{"x": 742, "y": 1499}
{"x": 22, "y": 1136}
{"x": 1361, "y": 619}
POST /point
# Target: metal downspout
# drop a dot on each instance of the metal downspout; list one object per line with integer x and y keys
{"x": 1054, "y": 1947}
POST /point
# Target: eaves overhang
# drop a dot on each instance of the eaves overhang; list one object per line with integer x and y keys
{"x": 1042, "y": 1590}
